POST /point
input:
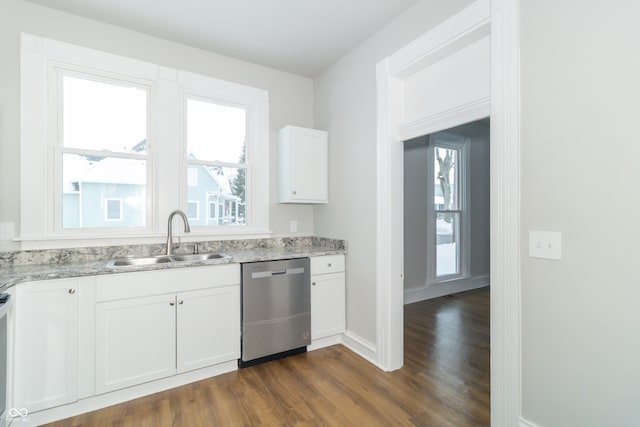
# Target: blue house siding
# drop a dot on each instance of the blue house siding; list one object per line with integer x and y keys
{"x": 92, "y": 206}
{"x": 87, "y": 207}
{"x": 206, "y": 185}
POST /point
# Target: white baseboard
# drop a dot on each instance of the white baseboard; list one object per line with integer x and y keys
{"x": 441, "y": 289}
{"x": 102, "y": 401}
{"x": 325, "y": 342}
{"x": 361, "y": 347}
{"x": 526, "y": 423}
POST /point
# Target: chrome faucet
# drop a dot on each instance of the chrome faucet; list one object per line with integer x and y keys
{"x": 187, "y": 229}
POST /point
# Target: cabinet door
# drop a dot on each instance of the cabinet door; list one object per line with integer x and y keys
{"x": 302, "y": 165}
{"x": 327, "y": 305}
{"x": 135, "y": 341}
{"x": 46, "y": 340}
{"x": 208, "y": 327}
{"x": 309, "y": 166}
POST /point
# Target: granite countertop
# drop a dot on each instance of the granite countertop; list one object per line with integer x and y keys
{"x": 12, "y": 275}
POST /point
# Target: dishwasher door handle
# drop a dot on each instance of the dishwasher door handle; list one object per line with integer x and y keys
{"x": 270, "y": 273}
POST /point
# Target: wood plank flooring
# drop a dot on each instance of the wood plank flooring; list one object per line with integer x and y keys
{"x": 444, "y": 382}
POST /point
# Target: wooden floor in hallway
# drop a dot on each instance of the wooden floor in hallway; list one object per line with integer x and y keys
{"x": 444, "y": 382}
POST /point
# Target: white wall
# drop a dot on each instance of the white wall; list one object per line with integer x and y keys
{"x": 580, "y": 176}
{"x": 345, "y": 105}
{"x": 291, "y": 97}
{"x": 416, "y": 204}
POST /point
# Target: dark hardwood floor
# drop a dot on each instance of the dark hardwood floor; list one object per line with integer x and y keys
{"x": 444, "y": 382}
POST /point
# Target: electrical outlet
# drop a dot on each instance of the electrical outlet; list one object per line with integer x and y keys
{"x": 293, "y": 226}
{"x": 545, "y": 244}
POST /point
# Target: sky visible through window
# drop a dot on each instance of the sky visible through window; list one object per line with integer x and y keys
{"x": 103, "y": 116}
{"x": 215, "y": 132}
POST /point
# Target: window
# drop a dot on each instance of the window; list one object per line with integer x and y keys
{"x": 449, "y": 215}
{"x": 100, "y": 127}
{"x": 103, "y": 150}
{"x": 216, "y": 135}
{"x": 447, "y": 210}
{"x": 113, "y": 210}
{"x": 193, "y": 210}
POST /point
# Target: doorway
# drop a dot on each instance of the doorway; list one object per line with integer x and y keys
{"x": 499, "y": 19}
{"x": 446, "y": 212}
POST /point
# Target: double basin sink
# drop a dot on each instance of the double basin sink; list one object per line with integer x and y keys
{"x": 164, "y": 259}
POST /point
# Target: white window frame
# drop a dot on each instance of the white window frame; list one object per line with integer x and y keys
{"x": 40, "y": 213}
{"x": 106, "y": 209}
{"x": 56, "y": 73}
{"x": 189, "y": 163}
{"x": 455, "y": 142}
{"x": 197, "y": 203}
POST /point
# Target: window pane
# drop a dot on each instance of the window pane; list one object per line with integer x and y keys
{"x": 223, "y": 191}
{"x": 215, "y": 132}
{"x": 104, "y": 116}
{"x": 192, "y": 210}
{"x": 114, "y": 209}
{"x": 91, "y": 185}
{"x": 447, "y": 243}
{"x": 446, "y": 186}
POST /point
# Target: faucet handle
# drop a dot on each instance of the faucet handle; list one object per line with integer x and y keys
{"x": 195, "y": 247}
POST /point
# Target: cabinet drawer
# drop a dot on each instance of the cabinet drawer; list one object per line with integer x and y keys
{"x": 327, "y": 264}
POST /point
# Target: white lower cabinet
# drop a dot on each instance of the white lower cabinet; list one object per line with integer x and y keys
{"x": 327, "y": 296}
{"x": 46, "y": 344}
{"x": 135, "y": 341}
{"x": 208, "y": 327}
{"x": 157, "y": 324}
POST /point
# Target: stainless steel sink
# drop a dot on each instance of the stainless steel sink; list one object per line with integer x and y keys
{"x": 164, "y": 259}
{"x": 122, "y": 262}
{"x": 196, "y": 257}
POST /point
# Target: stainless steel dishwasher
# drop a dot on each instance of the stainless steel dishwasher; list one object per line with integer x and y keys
{"x": 276, "y": 310}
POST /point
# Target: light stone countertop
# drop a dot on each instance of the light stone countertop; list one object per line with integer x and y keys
{"x": 12, "y": 275}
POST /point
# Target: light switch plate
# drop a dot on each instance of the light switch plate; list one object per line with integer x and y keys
{"x": 545, "y": 244}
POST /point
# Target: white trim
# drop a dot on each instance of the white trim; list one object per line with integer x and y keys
{"x": 436, "y": 290}
{"x": 466, "y": 113}
{"x": 527, "y": 423}
{"x": 361, "y": 347}
{"x": 325, "y": 342}
{"x": 465, "y": 27}
{"x": 505, "y": 214}
{"x": 501, "y": 19}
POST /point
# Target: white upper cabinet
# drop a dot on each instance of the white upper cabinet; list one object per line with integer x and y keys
{"x": 302, "y": 165}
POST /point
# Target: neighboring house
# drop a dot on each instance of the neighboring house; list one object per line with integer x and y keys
{"x": 210, "y": 198}
{"x": 93, "y": 196}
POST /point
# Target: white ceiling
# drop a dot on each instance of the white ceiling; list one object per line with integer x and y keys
{"x": 299, "y": 36}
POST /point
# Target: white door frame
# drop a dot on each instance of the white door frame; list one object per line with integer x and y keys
{"x": 500, "y": 18}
